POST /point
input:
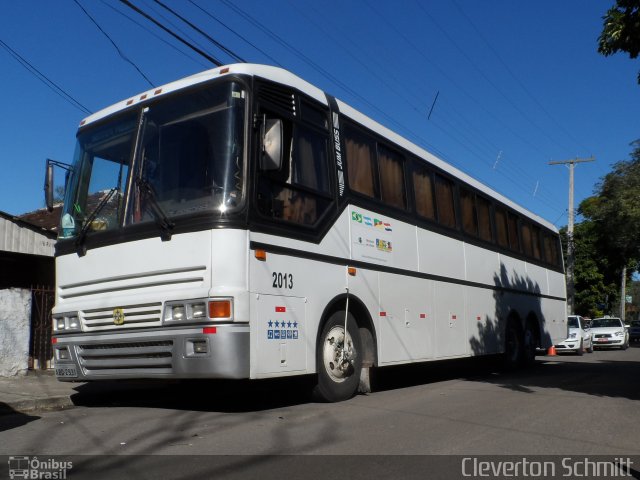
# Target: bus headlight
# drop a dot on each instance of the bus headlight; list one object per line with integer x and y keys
{"x": 198, "y": 311}
{"x": 177, "y": 312}
{"x": 202, "y": 310}
{"x": 66, "y": 322}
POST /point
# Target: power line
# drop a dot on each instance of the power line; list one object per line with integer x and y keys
{"x": 150, "y": 32}
{"x": 418, "y": 105}
{"x": 213, "y": 60}
{"x": 44, "y": 79}
{"x": 307, "y": 60}
{"x": 486, "y": 77}
{"x": 518, "y": 81}
{"x": 170, "y": 22}
{"x": 213, "y": 17}
{"x": 122, "y": 55}
{"x": 201, "y": 32}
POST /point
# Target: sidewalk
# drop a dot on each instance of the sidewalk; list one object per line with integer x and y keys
{"x": 41, "y": 390}
{"x": 35, "y": 391}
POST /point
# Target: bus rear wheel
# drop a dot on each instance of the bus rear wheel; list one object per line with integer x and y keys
{"x": 338, "y": 359}
{"x": 513, "y": 346}
{"x": 530, "y": 343}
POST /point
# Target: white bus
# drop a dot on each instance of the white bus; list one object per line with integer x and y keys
{"x": 230, "y": 224}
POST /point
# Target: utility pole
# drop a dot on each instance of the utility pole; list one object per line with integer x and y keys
{"x": 570, "y": 245}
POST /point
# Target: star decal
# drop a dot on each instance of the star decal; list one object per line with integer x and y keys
{"x": 270, "y": 324}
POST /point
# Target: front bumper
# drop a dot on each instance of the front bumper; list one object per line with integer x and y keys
{"x": 609, "y": 342}
{"x": 189, "y": 352}
{"x": 568, "y": 345}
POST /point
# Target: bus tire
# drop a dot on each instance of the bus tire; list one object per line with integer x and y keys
{"x": 513, "y": 340}
{"x": 338, "y": 379}
{"x": 530, "y": 343}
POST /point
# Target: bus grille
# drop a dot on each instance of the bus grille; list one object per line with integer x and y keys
{"x": 132, "y": 316}
{"x": 153, "y": 357}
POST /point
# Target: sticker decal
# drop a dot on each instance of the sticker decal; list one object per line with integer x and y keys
{"x": 371, "y": 237}
{"x": 282, "y": 330}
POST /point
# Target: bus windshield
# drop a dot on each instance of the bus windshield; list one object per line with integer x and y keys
{"x": 188, "y": 160}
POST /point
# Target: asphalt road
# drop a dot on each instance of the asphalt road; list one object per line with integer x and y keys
{"x": 564, "y": 405}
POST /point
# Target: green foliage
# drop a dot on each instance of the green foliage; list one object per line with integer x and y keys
{"x": 615, "y": 209}
{"x": 607, "y": 240}
{"x": 621, "y": 29}
{"x": 595, "y": 285}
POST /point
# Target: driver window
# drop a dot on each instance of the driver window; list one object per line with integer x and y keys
{"x": 299, "y": 192}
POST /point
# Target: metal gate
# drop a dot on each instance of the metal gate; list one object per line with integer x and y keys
{"x": 40, "y": 350}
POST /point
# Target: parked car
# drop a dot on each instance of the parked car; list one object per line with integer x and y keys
{"x": 609, "y": 332}
{"x": 634, "y": 331}
{"x": 579, "y": 337}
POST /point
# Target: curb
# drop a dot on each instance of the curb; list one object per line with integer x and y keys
{"x": 36, "y": 404}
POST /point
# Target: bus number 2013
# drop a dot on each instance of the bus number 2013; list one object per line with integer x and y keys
{"x": 282, "y": 280}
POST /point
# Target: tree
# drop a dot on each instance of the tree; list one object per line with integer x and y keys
{"x": 595, "y": 283}
{"x": 615, "y": 213}
{"x": 621, "y": 30}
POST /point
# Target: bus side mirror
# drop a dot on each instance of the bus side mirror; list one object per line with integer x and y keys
{"x": 272, "y": 140}
{"x": 48, "y": 186}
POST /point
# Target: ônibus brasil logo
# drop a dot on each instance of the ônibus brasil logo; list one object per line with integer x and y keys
{"x": 35, "y": 468}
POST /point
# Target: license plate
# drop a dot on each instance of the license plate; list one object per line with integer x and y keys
{"x": 67, "y": 372}
{"x": 604, "y": 340}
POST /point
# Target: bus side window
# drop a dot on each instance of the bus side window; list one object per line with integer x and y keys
{"x": 360, "y": 162}
{"x": 527, "y": 244}
{"x": 484, "y": 218}
{"x": 468, "y": 207}
{"x": 299, "y": 192}
{"x": 444, "y": 202}
{"x": 535, "y": 234}
{"x": 501, "y": 227}
{"x": 551, "y": 252}
{"x": 423, "y": 192}
{"x": 391, "y": 170}
{"x": 514, "y": 239}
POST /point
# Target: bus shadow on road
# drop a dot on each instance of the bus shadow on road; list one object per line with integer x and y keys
{"x": 10, "y": 418}
{"x": 411, "y": 375}
{"x": 230, "y": 396}
{"x": 611, "y": 377}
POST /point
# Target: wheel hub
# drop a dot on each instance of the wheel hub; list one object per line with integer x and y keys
{"x": 338, "y": 354}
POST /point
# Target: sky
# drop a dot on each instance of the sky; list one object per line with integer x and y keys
{"x": 497, "y": 88}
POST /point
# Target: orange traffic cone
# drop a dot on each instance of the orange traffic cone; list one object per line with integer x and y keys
{"x": 552, "y": 351}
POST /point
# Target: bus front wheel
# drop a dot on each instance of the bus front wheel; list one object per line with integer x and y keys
{"x": 338, "y": 359}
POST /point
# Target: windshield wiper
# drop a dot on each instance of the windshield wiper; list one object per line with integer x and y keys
{"x": 146, "y": 191}
{"x": 82, "y": 236}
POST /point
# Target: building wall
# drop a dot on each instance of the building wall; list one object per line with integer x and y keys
{"x": 18, "y": 270}
{"x": 15, "y": 313}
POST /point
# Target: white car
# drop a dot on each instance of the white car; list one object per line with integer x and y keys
{"x": 609, "y": 332}
{"x": 579, "y": 338}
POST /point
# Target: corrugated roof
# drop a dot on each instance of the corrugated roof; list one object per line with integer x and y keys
{"x": 19, "y": 236}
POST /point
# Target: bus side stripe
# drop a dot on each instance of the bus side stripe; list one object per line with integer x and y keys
{"x": 292, "y": 252}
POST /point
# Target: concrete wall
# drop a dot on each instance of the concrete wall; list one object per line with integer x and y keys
{"x": 15, "y": 313}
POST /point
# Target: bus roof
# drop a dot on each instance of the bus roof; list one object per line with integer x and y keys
{"x": 285, "y": 77}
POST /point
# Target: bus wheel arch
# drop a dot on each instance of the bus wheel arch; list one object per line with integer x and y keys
{"x": 332, "y": 384}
